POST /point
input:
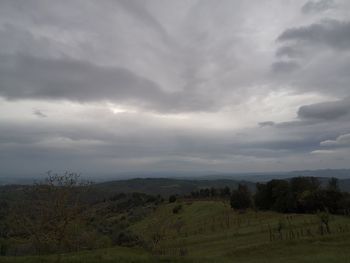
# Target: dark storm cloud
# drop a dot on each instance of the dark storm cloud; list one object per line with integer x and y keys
{"x": 32, "y": 77}
{"x": 28, "y": 77}
{"x": 312, "y": 115}
{"x": 317, "y": 6}
{"x": 295, "y": 145}
{"x": 321, "y": 51}
{"x": 325, "y": 111}
{"x": 331, "y": 33}
{"x": 341, "y": 141}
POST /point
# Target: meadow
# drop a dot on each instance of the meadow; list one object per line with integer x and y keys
{"x": 210, "y": 231}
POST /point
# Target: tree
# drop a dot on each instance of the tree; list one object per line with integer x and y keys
{"x": 177, "y": 209}
{"x": 213, "y": 192}
{"x": 241, "y": 198}
{"x": 4, "y": 227}
{"x": 52, "y": 212}
{"x": 299, "y": 194}
{"x": 333, "y": 184}
{"x": 225, "y": 192}
{"x": 300, "y": 184}
{"x": 275, "y": 195}
{"x": 172, "y": 198}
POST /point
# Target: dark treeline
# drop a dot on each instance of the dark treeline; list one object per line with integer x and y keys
{"x": 297, "y": 195}
{"x": 212, "y": 193}
{"x": 302, "y": 195}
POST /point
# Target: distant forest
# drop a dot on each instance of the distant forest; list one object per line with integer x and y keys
{"x": 296, "y": 195}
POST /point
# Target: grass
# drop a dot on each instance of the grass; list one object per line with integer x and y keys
{"x": 209, "y": 231}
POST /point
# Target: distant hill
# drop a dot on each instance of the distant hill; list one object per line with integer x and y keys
{"x": 188, "y": 176}
{"x": 264, "y": 177}
{"x": 184, "y": 186}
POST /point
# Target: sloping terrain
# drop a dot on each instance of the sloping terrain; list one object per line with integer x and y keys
{"x": 208, "y": 231}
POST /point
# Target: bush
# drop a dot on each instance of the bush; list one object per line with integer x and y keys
{"x": 125, "y": 238}
{"x": 172, "y": 198}
{"x": 177, "y": 209}
{"x": 241, "y": 198}
{"x": 301, "y": 195}
{"x": 103, "y": 242}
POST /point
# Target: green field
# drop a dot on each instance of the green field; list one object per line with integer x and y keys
{"x": 209, "y": 231}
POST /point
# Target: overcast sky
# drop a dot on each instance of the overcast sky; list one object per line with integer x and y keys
{"x": 114, "y": 86}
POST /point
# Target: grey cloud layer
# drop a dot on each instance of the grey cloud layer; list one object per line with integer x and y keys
{"x": 332, "y": 33}
{"x": 325, "y": 111}
{"x": 26, "y": 77}
{"x": 31, "y": 77}
{"x": 315, "y": 57}
{"x": 171, "y": 64}
{"x": 143, "y": 63}
{"x": 317, "y": 6}
{"x": 340, "y": 141}
{"x": 84, "y": 147}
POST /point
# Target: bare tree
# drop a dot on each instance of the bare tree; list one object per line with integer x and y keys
{"x": 51, "y": 212}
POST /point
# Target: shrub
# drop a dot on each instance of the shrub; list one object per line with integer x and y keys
{"x": 177, "y": 209}
{"x": 241, "y": 198}
{"x": 172, "y": 198}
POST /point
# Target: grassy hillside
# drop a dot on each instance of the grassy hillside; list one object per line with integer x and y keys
{"x": 209, "y": 231}
{"x": 212, "y": 229}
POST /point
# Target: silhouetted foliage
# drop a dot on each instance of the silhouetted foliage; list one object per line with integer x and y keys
{"x": 4, "y": 227}
{"x": 301, "y": 195}
{"x": 241, "y": 198}
{"x": 172, "y": 198}
{"x": 212, "y": 192}
{"x": 333, "y": 184}
{"x": 177, "y": 209}
{"x": 51, "y": 213}
{"x": 225, "y": 192}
